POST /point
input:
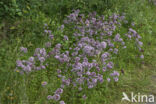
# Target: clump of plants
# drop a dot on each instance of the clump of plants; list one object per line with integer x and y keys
{"x": 85, "y": 56}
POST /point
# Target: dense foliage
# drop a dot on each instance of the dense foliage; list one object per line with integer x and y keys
{"x": 63, "y": 51}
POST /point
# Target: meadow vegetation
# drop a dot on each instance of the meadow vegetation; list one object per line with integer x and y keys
{"x": 76, "y": 51}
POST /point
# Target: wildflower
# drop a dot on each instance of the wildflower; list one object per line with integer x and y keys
{"x": 58, "y": 71}
{"x": 46, "y": 31}
{"x": 116, "y": 79}
{"x": 108, "y": 79}
{"x": 142, "y": 56}
{"x": 49, "y": 97}
{"x": 88, "y": 49}
{"x": 110, "y": 65}
{"x": 44, "y": 83}
{"x": 59, "y": 91}
{"x": 51, "y": 37}
{"x": 115, "y": 73}
{"x": 90, "y": 86}
{"x": 87, "y": 56}
{"x": 125, "y": 47}
{"x": 80, "y": 88}
{"x": 31, "y": 59}
{"x": 104, "y": 56}
{"x": 115, "y": 50}
{"x": 56, "y": 97}
{"x": 133, "y": 24}
{"x": 65, "y": 37}
{"x": 94, "y": 80}
{"x": 62, "y": 102}
{"x": 58, "y": 46}
{"x": 117, "y": 37}
{"x": 48, "y": 44}
{"x": 84, "y": 97}
{"x": 42, "y": 67}
{"x": 45, "y": 25}
{"x": 41, "y": 59}
{"x": 103, "y": 45}
{"x": 62, "y": 27}
{"x": 140, "y": 43}
{"x": 23, "y": 49}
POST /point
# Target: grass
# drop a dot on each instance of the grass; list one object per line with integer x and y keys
{"x": 27, "y": 31}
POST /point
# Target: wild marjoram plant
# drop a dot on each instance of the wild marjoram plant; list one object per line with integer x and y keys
{"x": 89, "y": 60}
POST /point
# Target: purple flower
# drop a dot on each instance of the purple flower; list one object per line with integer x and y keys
{"x": 88, "y": 49}
{"x": 49, "y": 97}
{"x": 125, "y": 47}
{"x": 49, "y": 31}
{"x": 133, "y": 24}
{"x": 117, "y": 37}
{"x": 62, "y": 27}
{"x": 142, "y": 56}
{"x": 19, "y": 63}
{"x": 94, "y": 80}
{"x": 115, "y": 73}
{"x": 58, "y": 46}
{"x": 51, "y": 37}
{"x": 87, "y": 59}
{"x": 104, "y": 69}
{"x": 103, "y": 45}
{"x": 56, "y": 97}
{"x": 104, "y": 56}
{"x": 108, "y": 79}
{"x": 23, "y": 49}
{"x": 88, "y": 73}
{"x": 129, "y": 36}
{"x": 65, "y": 37}
{"x": 48, "y": 44}
{"x": 116, "y": 51}
{"x": 45, "y": 25}
{"x": 42, "y": 67}
{"x": 44, "y": 83}
{"x": 90, "y": 86}
{"x": 41, "y": 59}
{"x": 66, "y": 82}
{"x": 59, "y": 91}
{"x": 116, "y": 79}
{"x": 110, "y": 65}
{"x": 62, "y": 102}
{"x": 59, "y": 71}
{"x": 140, "y": 43}
{"x": 31, "y": 59}
{"x": 27, "y": 68}
{"x": 133, "y": 31}
{"x": 80, "y": 88}
{"x": 46, "y": 31}
{"x": 84, "y": 97}
{"x": 80, "y": 80}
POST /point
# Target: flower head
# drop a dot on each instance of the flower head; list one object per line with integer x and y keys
{"x": 62, "y": 102}
{"x": 56, "y": 97}
{"x": 23, "y": 49}
{"x": 49, "y": 97}
{"x": 44, "y": 83}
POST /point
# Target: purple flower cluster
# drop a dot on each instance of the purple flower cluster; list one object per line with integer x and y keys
{"x": 36, "y": 62}
{"x": 44, "y": 83}
{"x": 115, "y": 76}
{"x": 90, "y": 58}
{"x": 23, "y": 49}
{"x": 56, "y": 96}
{"x": 133, "y": 35}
